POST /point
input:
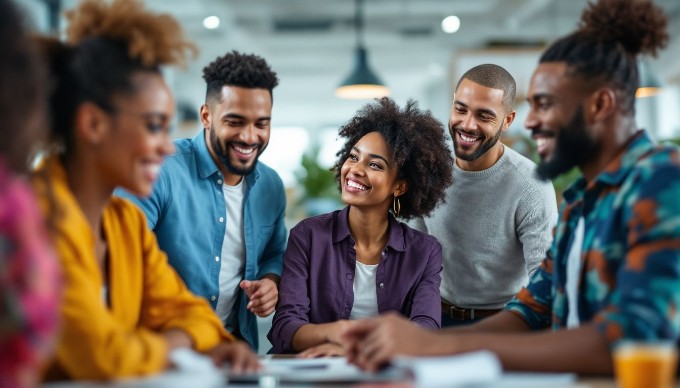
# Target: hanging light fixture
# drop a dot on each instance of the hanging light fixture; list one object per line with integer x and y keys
{"x": 362, "y": 83}
{"x": 649, "y": 83}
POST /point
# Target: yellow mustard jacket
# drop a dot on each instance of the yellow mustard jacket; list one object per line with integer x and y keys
{"x": 147, "y": 297}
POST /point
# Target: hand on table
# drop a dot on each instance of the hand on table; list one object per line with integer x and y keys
{"x": 337, "y": 330}
{"x": 238, "y": 354}
{"x": 323, "y": 350}
{"x": 263, "y": 295}
{"x": 372, "y": 343}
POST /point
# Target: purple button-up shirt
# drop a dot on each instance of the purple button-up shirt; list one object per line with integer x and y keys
{"x": 318, "y": 275}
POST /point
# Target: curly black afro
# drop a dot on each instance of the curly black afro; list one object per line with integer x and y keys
{"x": 237, "y": 69}
{"x": 419, "y": 148}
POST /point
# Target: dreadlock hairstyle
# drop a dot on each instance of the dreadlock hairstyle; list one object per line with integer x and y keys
{"x": 108, "y": 42}
{"x": 604, "y": 50}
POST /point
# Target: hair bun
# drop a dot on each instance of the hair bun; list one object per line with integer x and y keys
{"x": 154, "y": 39}
{"x": 638, "y": 25}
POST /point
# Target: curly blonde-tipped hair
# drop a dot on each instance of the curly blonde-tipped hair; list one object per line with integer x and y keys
{"x": 153, "y": 39}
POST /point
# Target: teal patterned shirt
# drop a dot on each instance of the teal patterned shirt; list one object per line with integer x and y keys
{"x": 630, "y": 275}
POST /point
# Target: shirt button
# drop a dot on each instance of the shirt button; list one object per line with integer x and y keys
{"x": 212, "y": 298}
{"x": 221, "y": 219}
{"x": 383, "y": 253}
{"x": 381, "y": 285}
{"x": 348, "y": 276}
{"x": 217, "y": 258}
{"x": 219, "y": 181}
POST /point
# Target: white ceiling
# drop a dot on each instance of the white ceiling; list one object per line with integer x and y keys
{"x": 310, "y": 44}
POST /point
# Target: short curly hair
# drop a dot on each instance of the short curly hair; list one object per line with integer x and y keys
{"x": 237, "y": 69}
{"x": 419, "y": 149}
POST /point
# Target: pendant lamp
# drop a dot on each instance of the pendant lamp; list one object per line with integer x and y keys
{"x": 362, "y": 83}
{"x": 649, "y": 83}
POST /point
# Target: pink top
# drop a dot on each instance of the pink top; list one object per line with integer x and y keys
{"x": 29, "y": 283}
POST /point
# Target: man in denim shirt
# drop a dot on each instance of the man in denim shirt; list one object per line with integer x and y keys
{"x": 217, "y": 212}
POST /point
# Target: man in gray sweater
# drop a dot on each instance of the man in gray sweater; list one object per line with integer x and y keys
{"x": 496, "y": 224}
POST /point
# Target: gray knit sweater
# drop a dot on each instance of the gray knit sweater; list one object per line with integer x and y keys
{"x": 495, "y": 229}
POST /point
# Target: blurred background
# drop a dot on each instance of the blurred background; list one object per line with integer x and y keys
{"x": 415, "y": 49}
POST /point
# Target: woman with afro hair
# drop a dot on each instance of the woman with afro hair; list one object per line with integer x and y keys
{"x": 124, "y": 312}
{"x": 360, "y": 261}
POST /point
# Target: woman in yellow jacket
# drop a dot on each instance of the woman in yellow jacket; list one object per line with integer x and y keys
{"x": 124, "y": 309}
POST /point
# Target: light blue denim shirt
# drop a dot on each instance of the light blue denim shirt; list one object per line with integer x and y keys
{"x": 187, "y": 212}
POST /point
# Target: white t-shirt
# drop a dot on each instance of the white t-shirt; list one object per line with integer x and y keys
{"x": 574, "y": 267}
{"x": 365, "y": 297}
{"x": 233, "y": 259}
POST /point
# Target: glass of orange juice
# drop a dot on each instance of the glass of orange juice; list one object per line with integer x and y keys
{"x": 641, "y": 364}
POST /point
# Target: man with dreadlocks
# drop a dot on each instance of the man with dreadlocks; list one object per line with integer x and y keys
{"x": 613, "y": 270}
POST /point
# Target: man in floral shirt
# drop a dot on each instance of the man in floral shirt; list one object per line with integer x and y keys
{"x": 613, "y": 270}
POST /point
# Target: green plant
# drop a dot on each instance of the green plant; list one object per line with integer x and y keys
{"x": 674, "y": 140}
{"x": 316, "y": 181}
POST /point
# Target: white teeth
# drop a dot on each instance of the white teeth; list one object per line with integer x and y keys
{"x": 246, "y": 151}
{"x": 540, "y": 143}
{"x": 152, "y": 170}
{"x": 356, "y": 185}
{"x": 467, "y": 138}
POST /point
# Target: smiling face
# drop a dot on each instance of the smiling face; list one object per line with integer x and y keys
{"x": 369, "y": 176}
{"x": 131, "y": 150}
{"x": 557, "y": 122}
{"x": 477, "y": 120}
{"x": 238, "y": 128}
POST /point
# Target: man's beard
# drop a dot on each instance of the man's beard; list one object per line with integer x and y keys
{"x": 223, "y": 155}
{"x": 573, "y": 147}
{"x": 481, "y": 150}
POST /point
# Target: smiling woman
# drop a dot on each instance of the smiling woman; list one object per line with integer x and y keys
{"x": 124, "y": 309}
{"x": 360, "y": 261}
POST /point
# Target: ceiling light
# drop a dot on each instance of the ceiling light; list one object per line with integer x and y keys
{"x": 649, "y": 83}
{"x": 362, "y": 83}
{"x": 211, "y": 22}
{"x": 451, "y": 24}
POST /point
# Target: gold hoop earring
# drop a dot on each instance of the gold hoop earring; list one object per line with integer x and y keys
{"x": 396, "y": 206}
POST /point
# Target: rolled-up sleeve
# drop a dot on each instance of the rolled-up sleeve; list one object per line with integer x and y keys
{"x": 294, "y": 303}
{"x": 533, "y": 303}
{"x": 426, "y": 303}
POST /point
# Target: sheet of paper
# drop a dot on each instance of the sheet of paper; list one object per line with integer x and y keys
{"x": 319, "y": 370}
{"x": 469, "y": 368}
{"x": 537, "y": 380}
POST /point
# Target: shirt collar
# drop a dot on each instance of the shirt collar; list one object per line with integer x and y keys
{"x": 616, "y": 171}
{"x": 207, "y": 166}
{"x": 395, "y": 239}
{"x": 204, "y": 161}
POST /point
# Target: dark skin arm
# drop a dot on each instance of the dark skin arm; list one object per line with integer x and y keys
{"x": 263, "y": 294}
{"x": 373, "y": 343}
{"x": 238, "y": 354}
